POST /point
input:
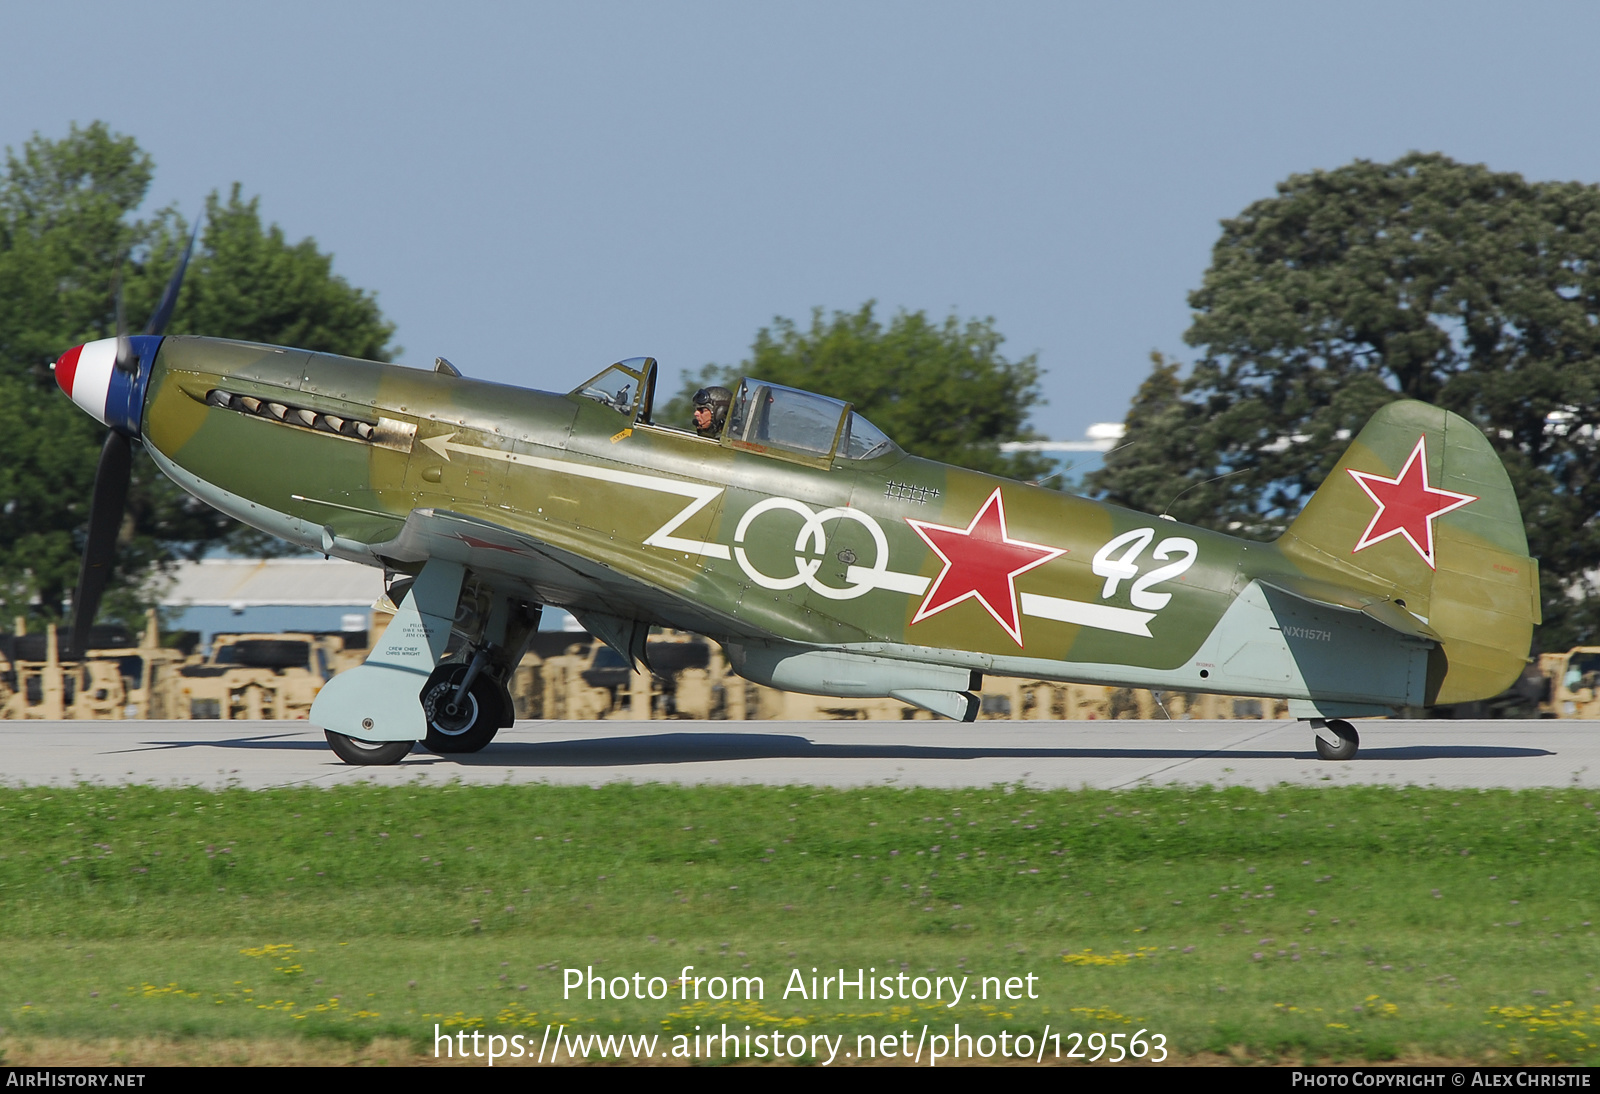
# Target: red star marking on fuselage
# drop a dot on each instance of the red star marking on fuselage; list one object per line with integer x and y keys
{"x": 981, "y": 561}
{"x": 1407, "y": 505}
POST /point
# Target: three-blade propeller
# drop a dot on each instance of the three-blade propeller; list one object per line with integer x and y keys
{"x": 111, "y": 478}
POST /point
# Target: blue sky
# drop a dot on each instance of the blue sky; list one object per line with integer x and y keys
{"x": 536, "y": 190}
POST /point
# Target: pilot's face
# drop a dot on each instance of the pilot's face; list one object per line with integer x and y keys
{"x": 702, "y": 417}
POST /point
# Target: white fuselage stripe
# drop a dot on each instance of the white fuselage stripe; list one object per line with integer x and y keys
{"x": 1100, "y": 616}
{"x": 700, "y": 494}
{"x": 887, "y": 579}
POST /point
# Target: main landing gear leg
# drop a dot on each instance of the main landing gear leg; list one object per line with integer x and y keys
{"x": 372, "y": 713}
{"x": 466, "y": 702}
{"x": 1346, "y": 740}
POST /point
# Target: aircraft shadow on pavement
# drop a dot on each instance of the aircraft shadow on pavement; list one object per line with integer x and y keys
{"x": 275, "y": 742}
{"x": 669, "y": 748}
{"x": 673, "y": 748}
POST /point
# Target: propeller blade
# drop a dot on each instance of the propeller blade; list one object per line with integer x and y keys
{"x": 125, "y": 359}
{"x": 105, "y": 520}
{"x": 169, "y": 298}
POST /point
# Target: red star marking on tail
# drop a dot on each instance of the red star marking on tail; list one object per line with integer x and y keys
{"x": 1407, "y": 505}
{"x": 981, "y": 561}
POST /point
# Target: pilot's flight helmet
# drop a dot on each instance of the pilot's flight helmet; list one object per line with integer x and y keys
{"x": 718, "y": 399}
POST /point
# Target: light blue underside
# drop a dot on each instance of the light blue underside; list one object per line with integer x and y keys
{"x": 380, "y": 700}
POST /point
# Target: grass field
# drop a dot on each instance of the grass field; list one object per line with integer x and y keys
{"x": 1339, "y": 924}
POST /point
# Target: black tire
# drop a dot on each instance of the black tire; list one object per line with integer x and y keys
{"x": 1349, "y": 741}
{"x": 508, "y": 707}
{"x": 467, "y": 729}
{"x": 353, "y": 750}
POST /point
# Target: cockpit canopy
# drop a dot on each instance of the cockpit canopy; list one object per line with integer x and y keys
{"x": 765, "y": 416}
{"x": 774, "y": 416}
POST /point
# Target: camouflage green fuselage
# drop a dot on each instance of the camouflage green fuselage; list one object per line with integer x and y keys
{"x": 759, "y": 546}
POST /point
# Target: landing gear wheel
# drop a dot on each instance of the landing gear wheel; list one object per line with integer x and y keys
{"x": 467, "y": 725}
{"x": 1349, "y": 741}
{"x": 353, "y": 750}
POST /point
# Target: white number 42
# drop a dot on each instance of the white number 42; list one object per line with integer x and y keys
{"x": 1132, "y": 545}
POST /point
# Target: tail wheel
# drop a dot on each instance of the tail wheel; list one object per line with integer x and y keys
{"x": 460, "y": 725}
{"x": 1348, "y": 740}
{"x": 353, "y": 750}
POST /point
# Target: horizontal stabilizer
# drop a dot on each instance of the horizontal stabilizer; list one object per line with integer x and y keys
{"x": 1329, "y": 595}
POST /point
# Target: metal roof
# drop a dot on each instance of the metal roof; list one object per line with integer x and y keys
{"x": 259, "y": 582}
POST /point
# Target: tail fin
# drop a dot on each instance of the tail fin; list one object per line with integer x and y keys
{"x": 1420, "y": 512}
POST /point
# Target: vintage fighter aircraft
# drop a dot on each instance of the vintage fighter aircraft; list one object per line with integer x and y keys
{"x": 819, "y": 554}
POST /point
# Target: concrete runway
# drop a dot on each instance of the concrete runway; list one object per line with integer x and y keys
{"x": 1074, "y": 754}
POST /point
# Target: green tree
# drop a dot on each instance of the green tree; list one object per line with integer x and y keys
{"x": 68, "y": 234}
{"x": 941, "y": 390}
{"x": 1424, "y": 278}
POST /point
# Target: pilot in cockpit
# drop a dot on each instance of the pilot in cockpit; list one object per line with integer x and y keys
{"x": 711, "y": 410}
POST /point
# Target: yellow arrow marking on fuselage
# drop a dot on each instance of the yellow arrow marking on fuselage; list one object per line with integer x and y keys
{"x": 700, "y": 494}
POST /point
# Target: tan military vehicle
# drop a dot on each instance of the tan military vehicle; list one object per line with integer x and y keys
{"x": 255, "y": 676}
{"x": 589, "y": 680}
{"x": 121, "y": 677}
{"x": 1572, "y": 683}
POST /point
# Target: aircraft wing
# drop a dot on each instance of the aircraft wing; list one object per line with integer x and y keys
{"x": 544, "y": 574}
